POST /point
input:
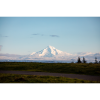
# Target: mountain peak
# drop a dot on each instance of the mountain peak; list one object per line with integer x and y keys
{"x": 51, "y": 47}
{"x": 48, "y": 52}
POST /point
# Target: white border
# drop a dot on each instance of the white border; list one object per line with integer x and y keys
{"x": 49, "y": 91}
{"x": 49, "y": 8}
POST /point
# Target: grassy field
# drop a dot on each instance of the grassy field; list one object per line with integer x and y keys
{"x": 71, "y": 68}
{"x": 14, "y": 78}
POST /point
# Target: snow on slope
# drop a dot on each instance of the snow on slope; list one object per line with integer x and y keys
{"x": 33, "y": 53}
{"x": 52, "y": 54}
{"x": 50, "y": 51}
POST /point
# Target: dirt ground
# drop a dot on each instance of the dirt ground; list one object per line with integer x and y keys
{"x": 78, "y": 76}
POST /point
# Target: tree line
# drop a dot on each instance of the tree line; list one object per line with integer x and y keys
{"x": 84, "y": 61}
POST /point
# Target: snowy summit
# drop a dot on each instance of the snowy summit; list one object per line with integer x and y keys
{"x": 50, "y": 51}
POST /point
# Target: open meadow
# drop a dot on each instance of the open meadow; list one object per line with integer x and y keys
{"x": 67, "y": 68}
{"x": 14, "y": 78}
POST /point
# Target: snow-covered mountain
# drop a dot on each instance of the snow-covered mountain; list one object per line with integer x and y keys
{"x": 49, "y": 51}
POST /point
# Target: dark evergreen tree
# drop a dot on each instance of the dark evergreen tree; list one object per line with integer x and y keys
{"x": 78, "y": 61}
{"x": 84, "y": 61}
{"x": 96, "y": 60}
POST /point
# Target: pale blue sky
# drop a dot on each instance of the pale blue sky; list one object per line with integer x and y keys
{"x": 24, "y": 35}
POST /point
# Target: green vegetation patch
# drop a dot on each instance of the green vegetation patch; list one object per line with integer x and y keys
{"x": 71, "y": 68}
{"x": 14, "y": 78}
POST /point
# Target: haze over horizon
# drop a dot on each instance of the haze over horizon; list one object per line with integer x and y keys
{"x": 24, "y": 35}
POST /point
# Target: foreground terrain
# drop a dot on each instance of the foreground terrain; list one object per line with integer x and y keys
{"x": 19, "y": 72}
{"x": 69, "y": 68}
{"x": 14, "y": 78}
{"x": 78, "y": 76}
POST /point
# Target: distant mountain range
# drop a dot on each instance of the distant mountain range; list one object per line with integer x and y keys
{"x": 51, "y": 54}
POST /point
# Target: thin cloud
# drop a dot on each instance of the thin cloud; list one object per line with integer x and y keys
{"x": 42, "y": 34}
{"x": 45, "y": 35}
{"x": 35, "y": 34}
{"x": 39, "y": 34}
{"x": 5, "y": 36}
{"x": 54, "y": 35}
{"x": 0, "y": 47}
